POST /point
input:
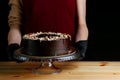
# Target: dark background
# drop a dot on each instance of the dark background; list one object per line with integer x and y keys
{"x": 103, "y": 18}
{"x": 4, "y": 10}
{"x": 103, "y": 23}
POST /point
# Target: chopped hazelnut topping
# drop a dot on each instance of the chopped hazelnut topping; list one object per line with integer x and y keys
{"x": 52, "y": 36}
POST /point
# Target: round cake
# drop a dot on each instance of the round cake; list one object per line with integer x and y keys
{"x": 46, "y": 44}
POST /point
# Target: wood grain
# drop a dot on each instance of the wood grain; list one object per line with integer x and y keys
{"x": 82, "y": 70}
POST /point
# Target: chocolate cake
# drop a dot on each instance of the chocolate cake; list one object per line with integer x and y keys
{"x": 46, "y": 44}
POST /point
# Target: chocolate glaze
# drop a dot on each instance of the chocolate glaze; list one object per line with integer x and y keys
{"x": 46, "y": 48}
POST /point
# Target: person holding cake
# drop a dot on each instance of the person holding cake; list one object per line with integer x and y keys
{"x": 64, "y": 16}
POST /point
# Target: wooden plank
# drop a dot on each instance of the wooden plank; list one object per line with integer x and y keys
{"x": 83, "y": 70}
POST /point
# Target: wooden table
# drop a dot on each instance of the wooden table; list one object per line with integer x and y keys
{"x": 82, "y": 70}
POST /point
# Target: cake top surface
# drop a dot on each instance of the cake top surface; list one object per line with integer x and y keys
{"x": 46, "y": 36}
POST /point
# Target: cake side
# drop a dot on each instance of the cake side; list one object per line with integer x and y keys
{"x": 46, "y": 44}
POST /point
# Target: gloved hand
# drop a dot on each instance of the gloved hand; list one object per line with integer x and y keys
{"x": 81, "y": 47}
{"x": 10, "y": 51}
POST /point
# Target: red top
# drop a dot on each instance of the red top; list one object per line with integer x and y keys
{"x": 50, "y": 15}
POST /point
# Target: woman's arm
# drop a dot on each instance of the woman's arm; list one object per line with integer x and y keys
{"x": 14, "y": 21}
{"x": 82, "y": 31}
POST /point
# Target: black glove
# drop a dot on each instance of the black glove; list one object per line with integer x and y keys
{"x": 81, "y": 47}
{"x": 10, "y": 51}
